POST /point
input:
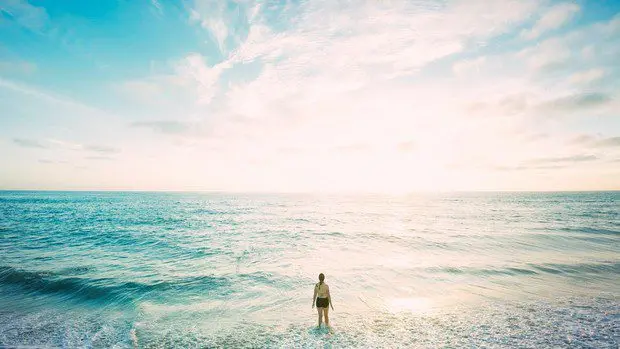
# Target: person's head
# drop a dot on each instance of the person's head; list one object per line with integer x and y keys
{"x": 321, "y": 278}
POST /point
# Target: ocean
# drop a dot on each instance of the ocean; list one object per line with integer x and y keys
{"x": 210, "y": 270}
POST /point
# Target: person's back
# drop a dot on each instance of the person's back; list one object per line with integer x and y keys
{"x": 322, "y": 290}
{"x": 323, "y": 300}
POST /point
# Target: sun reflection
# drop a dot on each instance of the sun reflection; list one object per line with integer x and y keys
{"x": 413, "y": 305}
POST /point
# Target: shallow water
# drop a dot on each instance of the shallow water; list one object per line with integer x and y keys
{"x": 529, "y": 270}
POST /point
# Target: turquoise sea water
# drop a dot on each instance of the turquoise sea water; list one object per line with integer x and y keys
{"x": 528, "y": 270}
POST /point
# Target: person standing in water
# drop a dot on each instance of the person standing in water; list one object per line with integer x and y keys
{"x": 323, "y": 300}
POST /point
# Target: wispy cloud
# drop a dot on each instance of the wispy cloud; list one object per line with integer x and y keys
{"x": 157, "y": 6}
{"x": 101, "y": 149}
{"x": 581, "y": 53}
{"x": 468, "y": 66}
{"x": 25, "y": 14}
{"x": 608, "y": 142}
{"x": 563, "y": 159}
{"x": 164, "y": 126}
{"x": 582, "y": 139}
{"x": 146, "y": 91}
{"x": 554, "y": 18}
{"x": 60, "y": 144}
{"x": 548, "y": 163}
{"x": 335, "y": 53}
{"x": 50, "y": 162}
{"x": 546, "y": 55}
{"x": 191, "y": 80}
{"x": 504, "y": 105}
{"x": 595, "y": 141}
{"x": 586, "y": 77}
{"x": 20, "y": 67}
{"x": 529, "y": 167}
{"x": 30, "y": 143}
{"x": 576, "y": 102}
{"x": 372, "y": 35}
{"x": 382, "y": 38}
{"x": 225, "y": 23}
{"x": 193, "y": 69}
{"x": 63, "y": 144}
{"x": 48, "y": 97}
{"x": 100, "y": 158}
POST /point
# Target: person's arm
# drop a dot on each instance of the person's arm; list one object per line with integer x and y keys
{"x": 329, "y": 297}
{"x": 314, "y": 297}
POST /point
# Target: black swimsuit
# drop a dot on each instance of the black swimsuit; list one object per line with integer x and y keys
{"x": 322, "y": 302}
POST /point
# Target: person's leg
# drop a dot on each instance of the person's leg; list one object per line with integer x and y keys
{"x": 326, "y": 312}
{"x": 320, "y": 315}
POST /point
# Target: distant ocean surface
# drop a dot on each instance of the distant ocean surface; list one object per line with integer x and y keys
{"x": 193, "y": 270}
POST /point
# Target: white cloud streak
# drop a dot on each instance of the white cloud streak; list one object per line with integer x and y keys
{"x": 586, "y": 77}
{"x": 46, "y": 96}
{"x": 62, "y": 144}
{"x": 32, "y": 17}
{"x": 468, "y": 66}
{"x": 158, "y": 7}
{"x": 554, "y": 18}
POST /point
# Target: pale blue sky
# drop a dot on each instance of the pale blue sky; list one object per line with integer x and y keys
{"x": 310, "y": 95}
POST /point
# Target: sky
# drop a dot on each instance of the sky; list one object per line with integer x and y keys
{"x": 310, "y": 95}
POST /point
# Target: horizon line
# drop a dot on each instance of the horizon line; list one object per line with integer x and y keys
{"x": 203, "y": 191}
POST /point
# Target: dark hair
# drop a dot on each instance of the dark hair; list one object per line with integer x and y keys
{"x": 321, "y": 278}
